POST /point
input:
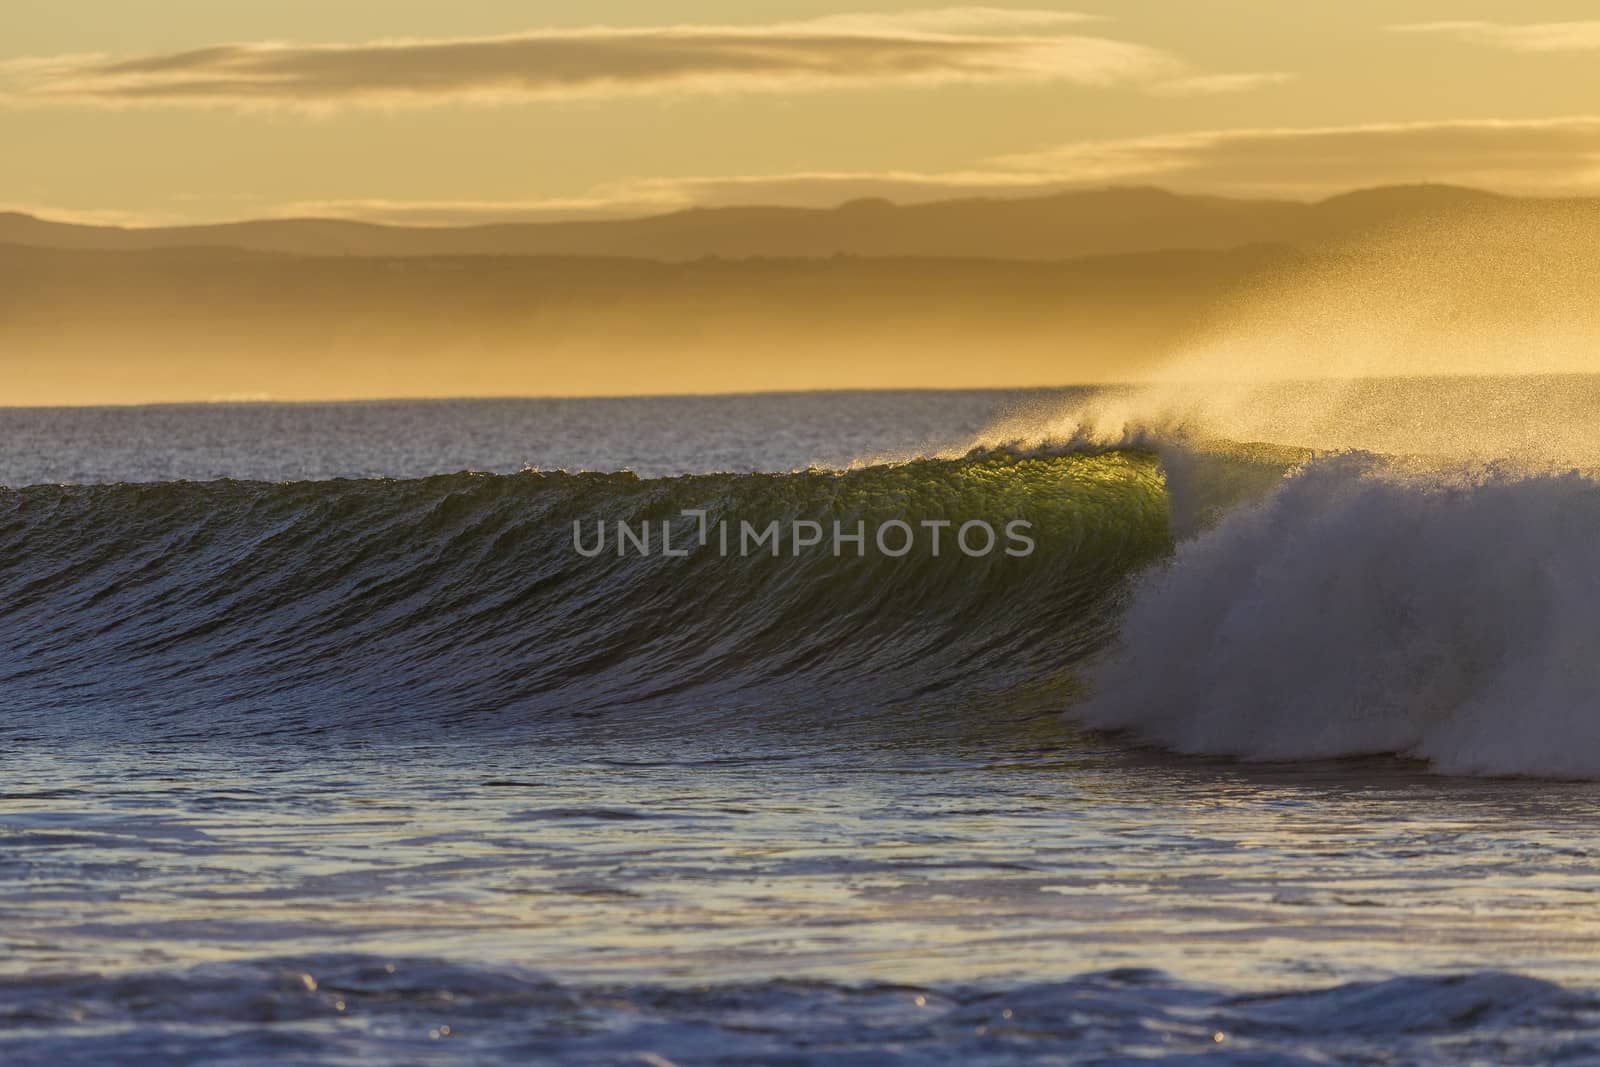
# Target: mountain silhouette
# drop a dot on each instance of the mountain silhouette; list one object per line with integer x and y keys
{"x": 1062, "y": 226}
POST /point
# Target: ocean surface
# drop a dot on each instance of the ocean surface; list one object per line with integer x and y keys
{"x": 322, "y": 741}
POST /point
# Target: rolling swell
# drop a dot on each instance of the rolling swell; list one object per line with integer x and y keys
{"x": 252, "y": 608}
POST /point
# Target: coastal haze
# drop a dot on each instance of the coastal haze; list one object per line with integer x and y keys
{"x": 339, "y": 201}
{"x": 1090, "y": 287}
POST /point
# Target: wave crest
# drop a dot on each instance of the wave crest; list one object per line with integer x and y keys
{"x": 268, "y": 608}
{"x": 1366, "y": 606}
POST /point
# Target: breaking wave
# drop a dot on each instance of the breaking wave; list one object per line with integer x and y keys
{"x": 185, "y": 609}
{"x": 1371, "y": 606}
{"x": 1240, "y": 601}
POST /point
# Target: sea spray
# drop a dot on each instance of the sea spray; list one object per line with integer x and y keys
{"x": 1370, "y": 606}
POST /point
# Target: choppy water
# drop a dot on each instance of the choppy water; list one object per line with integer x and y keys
{"x": 375, "y": 769}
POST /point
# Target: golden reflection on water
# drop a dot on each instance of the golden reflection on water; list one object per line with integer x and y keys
{"x": 825, "y": 866}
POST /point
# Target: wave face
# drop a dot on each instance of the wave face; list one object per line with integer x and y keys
{"x": 1367, "y": 607}
{"x": 1312, "y": 608}
{"x": 191, "y": 608}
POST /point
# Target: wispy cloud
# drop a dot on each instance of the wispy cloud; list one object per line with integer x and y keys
{"x": 1537, "y": 156}
{"x": 1219, "y": 84}
{"x": 1546, "y": 156}
{"x": 1515, "y": 37}
{"x": 968, "y": 44}
{"x": 1559, "y": 155}
{"x": 955, "y": 20}
{"x": 828, "y": 188}
{"x": 658, "y": 195}
{"x": 91, "y": 216}
{"x": 619, "y": 203}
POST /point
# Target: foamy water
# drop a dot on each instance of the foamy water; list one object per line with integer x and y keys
{"x": 1366, "y": 607}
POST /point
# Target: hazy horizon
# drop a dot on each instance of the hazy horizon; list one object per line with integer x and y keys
{"x": 1113, "y": 287}
{"x": 821, "y": 195}
{"x": 646, "y": 212}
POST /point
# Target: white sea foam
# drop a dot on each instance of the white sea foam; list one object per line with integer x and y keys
{"x": 1368, "y": 606}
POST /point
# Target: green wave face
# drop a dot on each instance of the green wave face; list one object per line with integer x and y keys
{"x": 462, "y": 599}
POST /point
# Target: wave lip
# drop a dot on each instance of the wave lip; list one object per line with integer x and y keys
{"x": 1368, "y": 606}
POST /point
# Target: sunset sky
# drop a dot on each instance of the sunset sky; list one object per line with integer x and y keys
{"x": 168, "y": 111}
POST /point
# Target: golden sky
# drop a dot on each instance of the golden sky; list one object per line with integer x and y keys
{"x": 164, "y": 111}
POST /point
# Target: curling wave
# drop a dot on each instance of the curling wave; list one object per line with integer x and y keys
{"x": 1249, "y": 602}
{"x": 186, "y": 609}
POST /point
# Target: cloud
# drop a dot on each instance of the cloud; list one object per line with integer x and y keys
{"x": 1525, "y": 37}
{"x": 90, "y": 216}
{"x": 1538, "y": 157}
{"x": 1219, "y": 84}
{"x": 955, "y": 20}
{"x": 973, "y": 45}
{"x": 1558, "y": 156}
{"x": 478, "y": 212}
{"x": 630, "y": 199}
{"x": 829, "y": 188}
{"x": 1530, "y": 156}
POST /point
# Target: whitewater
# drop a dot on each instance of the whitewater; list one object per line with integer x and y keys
{"x": 322, "y": 743}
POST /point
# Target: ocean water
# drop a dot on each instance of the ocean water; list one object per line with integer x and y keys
{"x": 320, "y": 742}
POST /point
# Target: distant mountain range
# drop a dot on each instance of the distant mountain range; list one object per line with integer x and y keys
{"x": 1087, "y": 287}
{"x": 1064, "y": 226}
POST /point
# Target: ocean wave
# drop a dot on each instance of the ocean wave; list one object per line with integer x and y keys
{"x": 185, "y": 609}
{"x": 1212, "y": 598}
{"x": 1369, "y": 605}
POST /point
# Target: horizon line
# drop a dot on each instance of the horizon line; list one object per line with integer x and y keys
{"x": 745, "y": 394}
